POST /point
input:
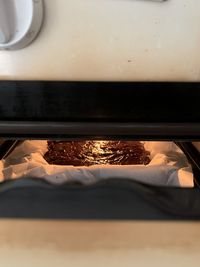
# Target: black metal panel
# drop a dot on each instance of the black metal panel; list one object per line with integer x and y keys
{"x": 93, "y": 101}
{"x": 41, "y": 109}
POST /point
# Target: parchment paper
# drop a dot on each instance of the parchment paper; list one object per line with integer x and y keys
{"x": 168, "y": 167}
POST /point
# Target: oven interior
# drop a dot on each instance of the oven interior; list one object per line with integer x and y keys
{"x": 174, "y": 164}
{"x": 165, "y": 188}
{"x": 35, "y": 117}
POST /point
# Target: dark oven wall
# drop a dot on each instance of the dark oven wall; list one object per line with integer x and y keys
{"x": 41, "y": 109}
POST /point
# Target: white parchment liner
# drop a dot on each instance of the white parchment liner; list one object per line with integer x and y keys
{"x": 168, "y": 167}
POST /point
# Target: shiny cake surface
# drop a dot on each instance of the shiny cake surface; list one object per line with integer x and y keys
{"x": 87, "y": 153}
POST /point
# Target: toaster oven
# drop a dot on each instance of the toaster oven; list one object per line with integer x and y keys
{"x": 99, "y": 71}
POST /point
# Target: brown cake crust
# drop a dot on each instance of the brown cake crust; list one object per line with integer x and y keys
{"x": 87, "y": 153}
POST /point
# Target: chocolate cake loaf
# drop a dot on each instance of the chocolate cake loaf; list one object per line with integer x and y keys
{"x": 87, "y": 153}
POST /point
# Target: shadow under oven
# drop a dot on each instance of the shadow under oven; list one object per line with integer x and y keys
{"x": 149, "y": 112}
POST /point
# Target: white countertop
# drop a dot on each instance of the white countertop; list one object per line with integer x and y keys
{"x": 81, "y": 243}
{"x": 121, "y": 40}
